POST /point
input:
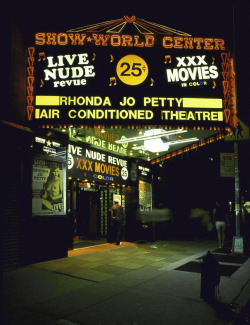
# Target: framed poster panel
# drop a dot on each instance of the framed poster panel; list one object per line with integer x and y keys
{"x": 48, "y": 188}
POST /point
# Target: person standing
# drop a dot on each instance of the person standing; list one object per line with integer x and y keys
{"x": 246, "y": 222}
{"x": 117, "y": 221}
{"x": 221, "y": 221}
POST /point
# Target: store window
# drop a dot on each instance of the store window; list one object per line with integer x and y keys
{"x": 145, "y": 196}
{"x": 48, "y": 188}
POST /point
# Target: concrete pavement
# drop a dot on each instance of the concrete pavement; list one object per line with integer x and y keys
{"x": 133, "y": 284}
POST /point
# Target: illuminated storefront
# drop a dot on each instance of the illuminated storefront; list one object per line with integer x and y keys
{"x": 128, "y": 93}
{"x": 95, "y": 176}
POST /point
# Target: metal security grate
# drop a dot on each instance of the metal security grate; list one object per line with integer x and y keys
{"x": 10, "y": 221}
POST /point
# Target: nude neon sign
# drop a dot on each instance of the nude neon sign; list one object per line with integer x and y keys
{"x": 68, "y": 69}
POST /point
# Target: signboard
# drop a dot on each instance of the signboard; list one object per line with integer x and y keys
{"x": 238, "y": 245}
{"x": 240, "y": 132}
{"x": 106, "y": 141}
{"x": 144, "y": 173}
{"x": 117, "y": 198}
{"x": 227, "y": 164}
{"x": 96, "y": 165}
{"x": 129, "y": 71}
{"x": 48, "y": 188}
{"x": 48, "y": 147}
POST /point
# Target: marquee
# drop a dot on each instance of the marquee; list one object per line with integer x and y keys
{"x": 130, "y": 71}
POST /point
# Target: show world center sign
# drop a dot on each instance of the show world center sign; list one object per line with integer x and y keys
{"x": 129, "y": 72}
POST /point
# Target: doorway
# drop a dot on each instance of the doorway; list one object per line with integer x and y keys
{"x": 87, "y": 218}
{"x": 87, "y": 213}
{"x": 90, "y": 206}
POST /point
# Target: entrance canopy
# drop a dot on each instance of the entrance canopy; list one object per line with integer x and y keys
{"x": 148, "y": 144}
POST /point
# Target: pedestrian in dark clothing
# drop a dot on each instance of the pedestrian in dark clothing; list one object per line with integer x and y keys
{"x": 117, "y": 221}
{"x": 246, "y": 222}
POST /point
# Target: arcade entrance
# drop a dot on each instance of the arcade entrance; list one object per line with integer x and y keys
{"x": 87, "y": 208}
{"x": 90, "y": 206}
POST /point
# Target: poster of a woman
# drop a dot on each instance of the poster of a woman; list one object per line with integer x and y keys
{"x": 52, "y": 194}
{"x": 48, "y": 188}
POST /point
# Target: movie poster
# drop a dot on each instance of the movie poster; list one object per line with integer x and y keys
{"x": 145, "y": 196}
{"x": 48, "y": 188}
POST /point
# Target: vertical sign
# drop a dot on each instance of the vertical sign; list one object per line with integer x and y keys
{"x": 226, "y": 164}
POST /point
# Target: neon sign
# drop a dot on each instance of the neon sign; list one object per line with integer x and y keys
{"x": 98, "y": 75}
{"x": 94, "y": 164}
{"x": 184, "y": 72}
{"x": 187, "y": 43}
{"x": 69, "y": 76}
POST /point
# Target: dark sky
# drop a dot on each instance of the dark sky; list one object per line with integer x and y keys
{"x": 221, "y": 18}
{"x": 194, "y": 17}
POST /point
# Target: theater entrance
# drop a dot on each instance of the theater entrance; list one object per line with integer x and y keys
{"x": 87, "y": 208}
{"x": 90, "y": 206}
{"x": 86, "y": 215}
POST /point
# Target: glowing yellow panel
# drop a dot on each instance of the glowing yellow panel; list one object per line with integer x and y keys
{"x": 220, "y": 116}
{"x": 202, "y": 102}
{"x": 47, "y": 100}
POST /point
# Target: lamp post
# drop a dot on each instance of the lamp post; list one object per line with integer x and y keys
{"x": 238, "y": 247}
{"x": 238, "y": 243}
{"x": 237, "y": 190}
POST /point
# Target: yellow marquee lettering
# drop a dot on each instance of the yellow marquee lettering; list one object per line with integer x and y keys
{"x": 77, "y": 39}
{"x": 137, "y": 43}
{"x": 127, "y": 40}
{"x": 100, "y": 39}
{"x": 149, "y": 41}
{"x": 115, "y": 40}
{"x": 47, "y": 113}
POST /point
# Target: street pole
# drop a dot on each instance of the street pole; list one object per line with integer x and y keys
{"x": 238, "y": 243}
{"x": 238, "y": 247}
{"x": 237, "y": 190}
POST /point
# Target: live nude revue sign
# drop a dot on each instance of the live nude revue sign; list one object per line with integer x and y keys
{"x": 129, "y": 71}
{"x": 97, "y": 165}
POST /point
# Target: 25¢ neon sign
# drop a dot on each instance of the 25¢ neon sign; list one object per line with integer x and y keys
{"x": 132, "y": 70}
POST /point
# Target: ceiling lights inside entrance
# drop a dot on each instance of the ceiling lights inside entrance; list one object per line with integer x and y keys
{"x": 157, "y": 140}
{"x": 151, "y": 145}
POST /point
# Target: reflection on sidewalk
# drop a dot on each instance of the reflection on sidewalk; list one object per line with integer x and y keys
{"x": 97, "y": 248}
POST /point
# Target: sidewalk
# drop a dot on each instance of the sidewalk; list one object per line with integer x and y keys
{"x": 130, "y": 284}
